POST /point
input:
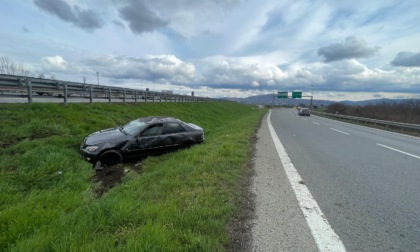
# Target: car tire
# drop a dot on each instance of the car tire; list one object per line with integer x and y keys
{"x": 111, "y": 157}
{"x": 187, "y": 144}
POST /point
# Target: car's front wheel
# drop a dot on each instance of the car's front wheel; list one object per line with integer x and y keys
{"x": 111, "y": 157}
{"x": 187, "y": 144}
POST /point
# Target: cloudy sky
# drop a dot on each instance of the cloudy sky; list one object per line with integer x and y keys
{"x": 338, "y": 50}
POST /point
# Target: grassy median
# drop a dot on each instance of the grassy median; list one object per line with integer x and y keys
{"x": 180, "y": 201}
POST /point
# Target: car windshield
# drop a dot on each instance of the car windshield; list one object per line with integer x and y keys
{"x": 133, "y": 127}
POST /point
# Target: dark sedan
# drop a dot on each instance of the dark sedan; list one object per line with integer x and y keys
{"x": 141, "y": 137}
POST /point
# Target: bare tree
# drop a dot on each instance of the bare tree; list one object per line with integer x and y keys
{"x": 23, "y": 70}
{"x": 7, "y": 66}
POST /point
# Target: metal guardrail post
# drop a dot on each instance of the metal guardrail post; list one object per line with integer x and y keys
{"x": 65, "y": 93}
{"x": 135, "y": 96}
{"x": 123, "y": 95}
{"x": 153, "y": 97}
{"x": 29, "y": 86}
{"x": 90, "y": 94}
{"x": 109, "y": 95}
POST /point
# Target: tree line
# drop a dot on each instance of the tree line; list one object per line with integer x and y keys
{"x": 8, "y": 66}
{"x": 399, "y": 111}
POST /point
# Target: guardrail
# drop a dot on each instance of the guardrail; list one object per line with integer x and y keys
{"x": 387, "y": 124}
{"x": 21, "y": 86}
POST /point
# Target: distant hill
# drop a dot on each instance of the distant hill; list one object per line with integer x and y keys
{"x": 373, "y": 101}
{"x": 268, "y": 100}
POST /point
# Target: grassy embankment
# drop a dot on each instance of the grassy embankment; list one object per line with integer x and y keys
{"x": 181, "y": 201}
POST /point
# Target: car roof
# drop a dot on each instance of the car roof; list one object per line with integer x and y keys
{"x": 158, "y": 119}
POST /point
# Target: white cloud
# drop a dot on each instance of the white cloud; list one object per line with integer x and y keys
{"x": 223, "y": 71}
{"x": 153, "y": 68}
{"x": 55, "y": 64}
{"x": 351, "y": 75}
{"x": 255, "y": 84}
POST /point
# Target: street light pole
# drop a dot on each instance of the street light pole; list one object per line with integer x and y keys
{"x": 97, "y": 76}
{"x": 312, "y": 94}
{"x": 312, "y": 97}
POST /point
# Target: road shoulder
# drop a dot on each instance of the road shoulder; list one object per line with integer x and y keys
{"x": 278, "y": 224}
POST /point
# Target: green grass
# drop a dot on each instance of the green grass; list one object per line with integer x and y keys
{"x": 181, "y": 201}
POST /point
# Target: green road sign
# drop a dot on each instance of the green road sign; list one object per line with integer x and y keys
{"x": 296, "y": 94}
{"x": 282, "y": 95}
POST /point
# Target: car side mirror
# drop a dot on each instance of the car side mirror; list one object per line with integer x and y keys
{"x": 138, "y": 140}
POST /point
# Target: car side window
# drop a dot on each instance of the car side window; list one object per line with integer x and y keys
{"x": 154, "y": 130}
{"x": 173, "y": 127}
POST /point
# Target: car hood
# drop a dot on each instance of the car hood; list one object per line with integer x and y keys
{"x": 195, "y": 127}
{"x": 106, "y": 135}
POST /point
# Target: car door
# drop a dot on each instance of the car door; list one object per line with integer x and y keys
{"x": 149, "y": 141}
{"x": 174, "y": 134}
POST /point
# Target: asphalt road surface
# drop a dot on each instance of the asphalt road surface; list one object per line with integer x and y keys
{"x": 366, "y": 181}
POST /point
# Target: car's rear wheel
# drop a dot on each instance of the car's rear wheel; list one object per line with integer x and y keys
{"x": 111, "y": 157}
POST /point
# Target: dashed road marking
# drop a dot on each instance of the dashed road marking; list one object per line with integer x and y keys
{"x": 316, "y": 123}
{"x": 400, "y": 151}
{"x": 340, "y": 131}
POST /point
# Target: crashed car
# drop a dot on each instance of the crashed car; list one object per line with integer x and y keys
{"x": 141, "y": 137}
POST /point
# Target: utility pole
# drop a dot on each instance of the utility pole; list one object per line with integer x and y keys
{"x": 97, "y": 76}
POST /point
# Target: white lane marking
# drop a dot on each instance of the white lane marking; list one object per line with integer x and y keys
{"x": 304, "y": 119}
{"x": 325, "y": 237}
{"x": 316, "y": 123}
{"x": 400, "y": 151}
{"x": 340, "y": 131}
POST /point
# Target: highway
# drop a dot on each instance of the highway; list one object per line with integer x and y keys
{"x": 366, "y": 181}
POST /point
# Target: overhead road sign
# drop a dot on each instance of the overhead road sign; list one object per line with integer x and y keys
{"x": 282, "y": 94}
{"x": 296, "y": 94}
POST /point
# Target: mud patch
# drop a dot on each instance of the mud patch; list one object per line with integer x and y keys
{"x": 108, "y": 177}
